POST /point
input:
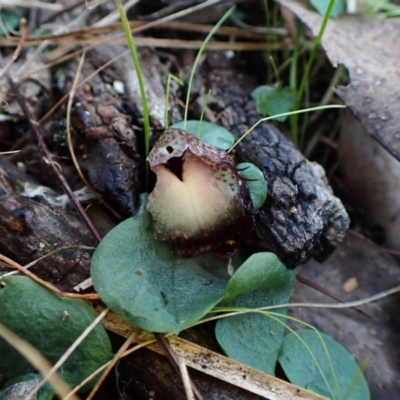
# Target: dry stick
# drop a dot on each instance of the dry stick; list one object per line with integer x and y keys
{"x": 4, "y": 153}
{"x": 20, "y": 268}
{"x": 162, "y": 43}
{"x": 69, "y": 140}
{"x": 95, "y": 373}
{"x": 131, "y": 339}
{"x": 148, "y": 26}
{"x": 319, "y": 288}
{"x": 186, "y": 380}
{"x": 152, "y": 24}
{"x": 70, "y": 350}
{"x": 135, "y": 30}
{"x": 35, "y": 358}
{"x": 48, "y": 157}
{"x": 139, "y": 29}
{"x": 175, "y": 362}
{"x": 31, "y": 264}
{"x": 31, "y": 4}
{"x": 24, "y": 31}
{"x": 93, "y": 32}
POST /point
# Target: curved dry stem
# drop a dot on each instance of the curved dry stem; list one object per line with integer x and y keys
{"x": 131, "y": 339}
{"x": 349, "y": 304}
{"x": 20, "y": 268}
{"x": 31, "y": 264}
{"x": 24, "y": 31}
{"x": 103, "y": 367}
{"x": 71, "y": 95}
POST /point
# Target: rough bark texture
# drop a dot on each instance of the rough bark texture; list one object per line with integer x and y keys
{"x": 105, "y": 142}
{"x": 31, "y": 228}
{"x": 301, "y": 217}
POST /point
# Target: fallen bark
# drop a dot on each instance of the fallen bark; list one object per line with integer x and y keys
{"x": 105, "y": 142}
{"x": 301, "y": 217}
{"x": 31, "y": 228}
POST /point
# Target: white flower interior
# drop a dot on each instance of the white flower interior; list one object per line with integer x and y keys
{"x": 202, "y": 199}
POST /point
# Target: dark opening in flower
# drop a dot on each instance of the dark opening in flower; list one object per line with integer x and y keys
{"x": 200, "y": 202}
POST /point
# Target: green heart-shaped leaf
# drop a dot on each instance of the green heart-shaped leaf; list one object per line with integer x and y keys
{"x": 346, "y": 381}
{"x": 51, "y": 324}
{"x": 252, "y": 338}
{"x": 273, "y": 100}
{"x": 145, "y": 282}
{"x": 256, "y": 183}
{"x": 212, "y": 134}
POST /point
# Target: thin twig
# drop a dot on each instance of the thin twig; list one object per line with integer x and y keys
{"x": 186, "y": 380}
{"x": 175, "y": 362}
{"x": 103, "y": 367}
{"x": 319, "y": 288}
{"x": 31, "y": 3}
{"x": 5, "y": 153}
{"x": 24, "y": 31}
{"x": 48, "y": 157}
{"x": 349, "y": 304}
{"x": 71, "y": 95}
{"x": 131, "y": 339}
{"x": 31, "y": 264}
{"x": 20, "y": 268}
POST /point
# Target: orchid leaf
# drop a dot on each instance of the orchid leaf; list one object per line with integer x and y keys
{"x": 255, "y": 182}
{"x": 274, "y": 100}
{"x": 209, "y": 133}
{"x": 252, "y": 338}
{"x": 337, "y": 374}
{"x": 51, "y": 324}
{"x": 145, "y": 282}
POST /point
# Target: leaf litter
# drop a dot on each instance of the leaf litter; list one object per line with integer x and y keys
{"x": 369, "y": 49}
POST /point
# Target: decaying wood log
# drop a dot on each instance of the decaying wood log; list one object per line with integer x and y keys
{"x": 301, "y": 217}
{"x": 31, "y": 228}
{"x": 105, "y": 142}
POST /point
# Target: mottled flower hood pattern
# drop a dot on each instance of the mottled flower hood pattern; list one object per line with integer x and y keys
{"x": 200, "y": 201}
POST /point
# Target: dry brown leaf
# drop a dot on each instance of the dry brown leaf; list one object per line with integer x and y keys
{"x": 369, "y": 48}
{"x": 372, "y": 179}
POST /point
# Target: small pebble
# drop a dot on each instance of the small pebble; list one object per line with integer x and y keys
{"x": 119, "y": 87}
{"x": 350, "y": 285}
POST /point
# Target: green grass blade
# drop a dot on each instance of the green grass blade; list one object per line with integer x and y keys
{"x": 197, "y": 60}
{"x": 135, "y": 59}
{"x": 202, "y": 113}
{"x": 180, "y": 82}
{"x": 309, "y": 65}
{"x": 282, "y": 115}
{"x": 276, "y": 316}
